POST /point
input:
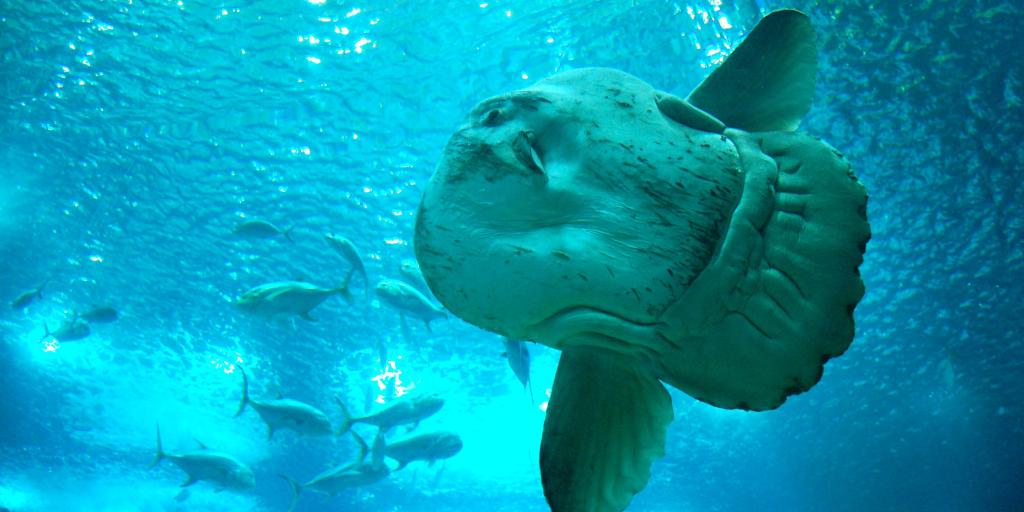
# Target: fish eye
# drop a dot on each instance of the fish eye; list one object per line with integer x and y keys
{"x": 492, "y": 117}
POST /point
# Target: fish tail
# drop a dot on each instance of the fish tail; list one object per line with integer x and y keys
{"x": 46, "y": 332}
{"x": 288, "y": 233}
{"x": 159, "y": 448}
{"x": 296, "y": 489}
{"x": 245, "y": 392}
{"x": 363, "y": 448}
{"x": 379, "y": 445}
{"x": 346, "y": 418}
{"x": 343, "y": 289}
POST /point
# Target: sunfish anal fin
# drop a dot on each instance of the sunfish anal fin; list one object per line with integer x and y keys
{"x": 606, "y": 423}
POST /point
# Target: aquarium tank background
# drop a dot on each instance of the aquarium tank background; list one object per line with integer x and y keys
{"x": 138, "y": 135}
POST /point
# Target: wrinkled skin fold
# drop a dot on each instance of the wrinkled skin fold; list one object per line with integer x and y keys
{"x": 697, "y": 242}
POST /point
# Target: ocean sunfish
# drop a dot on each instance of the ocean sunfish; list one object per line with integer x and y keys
{"x": 698, "y": 242}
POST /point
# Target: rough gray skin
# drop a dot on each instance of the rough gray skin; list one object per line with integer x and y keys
{"x": 698, "y": 242}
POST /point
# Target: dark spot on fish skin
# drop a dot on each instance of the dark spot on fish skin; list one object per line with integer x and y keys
{"x": 624, "y": 104}
{"x": 706, "y": 145}
{"x": 583, "y": 277}
{"x": 610, "y": 271}
{"x": 637, "y": 295}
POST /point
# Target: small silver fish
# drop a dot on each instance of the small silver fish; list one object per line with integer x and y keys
{"x": 260, "y": 229}
{"x": 344, "y": 247}
{"x": 354, "y": 474}
{"x": 25, "y": 298}
{"x": 286, "y": 298}
{"x": 99, "y": 315}
{"x": 69, "y": 330}
{"x": 285, "y": 413}
{"x": 407, "y": 299}
{"x": 429, "y": 447}
{"x": 220, "y": 469}
{"x": 407, "y": 409}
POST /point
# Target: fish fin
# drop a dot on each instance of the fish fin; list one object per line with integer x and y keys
{"x": 296, "y": 489}
{"x": 200, "y": 443}
{"x": 279, "y": 395}
{"x": 270, "y": 432}
{"x": 288, "y": 233}
{"x": 46, "y": 332}
{"x": 191, "y": 480}
{"x": 159, "y": 448}
{"x": 401, "y": 465}
{"x": 426, "y": 322}
{"x": 305, "y": 316}
{"x": 346, "y": 418}
{"x": 767, "y": 82}
{"x": 182, "y": 495}
{"x": 605, "y": 424}
{"x": 377, "y": 453}
{"x": 343, "y": 289}
{"x": 683, "y": 112}
{"x": 245, "y": 392}
{"x": 363, "y": 448}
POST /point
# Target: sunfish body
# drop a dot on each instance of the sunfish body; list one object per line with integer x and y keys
{"x": 27, "y": 297}
{"x": 287, "y": 298}
{"x": 404, "y": 410}
{"x": 699, "y": 242}
{"x": 219, "y": 469}
{"x": 408, "y": 300}
{"x": 260, "y": 229}
{"x": 355, "y": 474}
{"x": 69, "y": 330}
{"x": 99, "y": 315}
{"x": 428, "y": 447}
{"x": 285, "y": 413}
{"x": 344, "y": 247}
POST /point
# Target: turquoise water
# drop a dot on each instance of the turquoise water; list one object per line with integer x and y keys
{"x": 138, "y": 134}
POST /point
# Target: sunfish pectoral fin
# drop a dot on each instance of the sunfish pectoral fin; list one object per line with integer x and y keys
{"x": 767, "y": 82}
{"x": 605, "y": 425}
{"x": 685, "y": 113}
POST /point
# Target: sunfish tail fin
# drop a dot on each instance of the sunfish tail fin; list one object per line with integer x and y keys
{"x": 296, "y": 489}
{"x": 346, "y": 418}
{"x": 245, "y": 393}
{"x": 159, "y": 448}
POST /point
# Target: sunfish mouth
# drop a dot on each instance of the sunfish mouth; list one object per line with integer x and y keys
{"x": 526, "y": 151}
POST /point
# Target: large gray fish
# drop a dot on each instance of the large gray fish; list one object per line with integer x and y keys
{"x": 518, "y": 357}
{"x": 99, "y": 315}
{"x": 411, "y": 408}
{"x": 220, "y": 469}
{"x": 69, "y": 330}
{"x": 429, "y": 447}
{"x": 288, "y": 298}
{"x": 344, "y": 247}
{"x": 28, "y": 297}
{"x": 408, "y": 300}
{"x": 700, "y": 242}
{"x": 260, "y": 229}
{"x": 347, "y": 476}
{"x": 285, "y": 413}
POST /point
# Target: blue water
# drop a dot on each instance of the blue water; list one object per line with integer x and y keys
{"x": 137, "y": 133}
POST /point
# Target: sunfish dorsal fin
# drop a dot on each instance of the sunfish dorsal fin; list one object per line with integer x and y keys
{"x": 767, "y": 83}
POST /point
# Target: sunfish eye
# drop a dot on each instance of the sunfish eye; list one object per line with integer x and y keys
{"x": 492, "y": 117}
